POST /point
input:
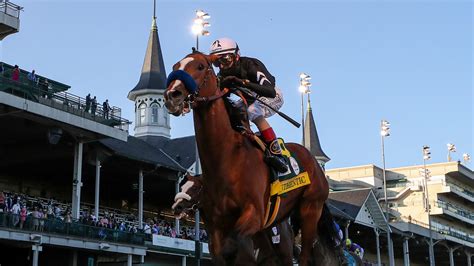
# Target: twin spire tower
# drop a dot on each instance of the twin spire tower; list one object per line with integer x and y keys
{"x": 151, "y": 116}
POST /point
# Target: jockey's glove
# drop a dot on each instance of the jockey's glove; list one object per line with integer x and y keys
{"x": 231, "y": 82}
{"x": 266, "y": 90}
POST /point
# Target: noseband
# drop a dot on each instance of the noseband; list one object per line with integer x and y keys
{"x": 194, "y": 99}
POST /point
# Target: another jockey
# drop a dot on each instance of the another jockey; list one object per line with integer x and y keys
{"x": 353, "y": 247}
{"x": 236, "y": 71}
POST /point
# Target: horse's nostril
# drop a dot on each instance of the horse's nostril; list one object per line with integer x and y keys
{"x": 175, "y": 94}
{"x": 178, "y": 209}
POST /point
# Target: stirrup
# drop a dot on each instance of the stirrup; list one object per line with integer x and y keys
{"x": 274, "y": 157}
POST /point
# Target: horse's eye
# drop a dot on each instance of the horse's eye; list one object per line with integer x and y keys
{"x": 201, "y": 67}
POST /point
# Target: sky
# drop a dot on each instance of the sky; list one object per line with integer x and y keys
{"x": 409, "y": 62}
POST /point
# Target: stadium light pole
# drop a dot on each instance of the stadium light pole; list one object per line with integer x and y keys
{"x": 426, "y": 175}
{"x": 304, "y": 89}
{"x": 385, "y": 132}
{"x": 200, "y": 25}
{"x": 199, "y": 28}
{"x": 451, "y": 148}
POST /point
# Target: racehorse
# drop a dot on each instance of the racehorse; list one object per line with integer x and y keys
{"x": 236, "y": 184}
{"x": 273, "y": 246}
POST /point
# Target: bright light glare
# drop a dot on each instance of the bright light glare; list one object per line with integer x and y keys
{"x": 302, "y": 89}
{"x": 197, "y": 29}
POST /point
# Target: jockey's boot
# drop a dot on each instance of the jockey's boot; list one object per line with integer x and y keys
{"x": 274, "y": 157}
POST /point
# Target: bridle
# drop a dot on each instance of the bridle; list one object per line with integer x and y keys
{"x": 193, "y": 99}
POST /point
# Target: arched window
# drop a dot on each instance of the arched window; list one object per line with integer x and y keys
{"x": 154, "y": 113}
{"x": 141, "y": 114}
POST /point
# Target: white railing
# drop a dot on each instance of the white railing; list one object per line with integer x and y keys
{"x": 10, "y": 9}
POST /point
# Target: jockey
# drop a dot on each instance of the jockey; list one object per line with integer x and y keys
{"x": 354, "y": 247}
{"x": 250, "y": 73}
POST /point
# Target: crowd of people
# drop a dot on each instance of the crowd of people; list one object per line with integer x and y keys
{"x": 19, "y": 207}
{"x": 90, "y": 105}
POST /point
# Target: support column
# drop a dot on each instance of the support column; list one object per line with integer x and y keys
{"x": 129, "y": 260}
{"x": 77, "y": 180}
{"x": 451, "y": 253}
{"x": 36, "y": 250}
{"x": 406, "y": 252}
{"x": 97, "y": 187}
{"x": 451, "y": 256}
{"x": 377, "y": 240}
{"x": 391, "y": 255}
{"x": 140, "y": 199}
{"x": 74, "y": 258}
{"x": 346, "y": 230}
{"x": 176, "y": 220}
{"x": 468, "y": 255}
{"x": 183, "y": 261}
{"x": 197, "y": 247}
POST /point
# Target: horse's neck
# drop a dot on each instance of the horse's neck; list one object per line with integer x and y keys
{"x": 215, "y": 137}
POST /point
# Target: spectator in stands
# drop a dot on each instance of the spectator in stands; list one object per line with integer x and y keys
{"x": 32, "y": 77}
{"x": 88, "y": 103}
{"x": 36, "y": 216}
{"x": 16, "y": 73}
{"x": 106, "y": 109}
{"x": 57, "y": 211}
{"x": 8, "y": 202}
{"x": 23, "y": 214}
{"x": 43, "y": 216}
{"x": 2, "y": 201}
{"x": 93, "y": 105}
{"x": 15, "y": 211}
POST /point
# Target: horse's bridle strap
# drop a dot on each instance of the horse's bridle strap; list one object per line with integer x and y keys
{"x": 203, "y": 99}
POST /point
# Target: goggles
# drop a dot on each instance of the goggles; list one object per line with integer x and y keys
{"x": 224, "y": 60}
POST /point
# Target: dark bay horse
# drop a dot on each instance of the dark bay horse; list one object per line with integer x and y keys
{"x": 236, "y": 187}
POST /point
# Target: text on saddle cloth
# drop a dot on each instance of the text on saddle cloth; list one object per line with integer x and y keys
{"x": 294, "y": 178}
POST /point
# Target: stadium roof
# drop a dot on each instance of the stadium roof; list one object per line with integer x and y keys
{"x": 361, "y": 206}
{"x": 175, "y": 154}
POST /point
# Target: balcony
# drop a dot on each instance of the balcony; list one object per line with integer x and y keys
{"x": 9, "y": 18}
{"x": 55, "y": 95}
{"x": 450, "y": 187}
{"x": 76, "y": 229}
{"x": 452, "y": 232}
{"x": 455, "y": 211}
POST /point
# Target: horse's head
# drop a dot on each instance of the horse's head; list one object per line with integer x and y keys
{"x": 191, "y": 77}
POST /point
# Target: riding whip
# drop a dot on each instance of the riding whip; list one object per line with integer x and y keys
{"x": 287, "y": 118}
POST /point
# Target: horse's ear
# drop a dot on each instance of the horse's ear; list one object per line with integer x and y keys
{"x": 212, "y": 58}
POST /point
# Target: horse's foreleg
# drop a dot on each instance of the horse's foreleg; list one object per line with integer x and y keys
{"x": 310, "y": 212}
{"x": 249, "y": 222}
{"x": 216, "y": 244}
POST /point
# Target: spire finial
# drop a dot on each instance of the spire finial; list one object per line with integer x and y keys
{"x": 153, "y": 23}
{"x": 309, "y": 101}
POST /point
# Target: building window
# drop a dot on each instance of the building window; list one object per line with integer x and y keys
{"x": 154, "y": 113}
{"x": 141, "y": 114}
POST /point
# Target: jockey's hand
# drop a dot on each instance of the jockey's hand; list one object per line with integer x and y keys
{"x": 231, "y": 82}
